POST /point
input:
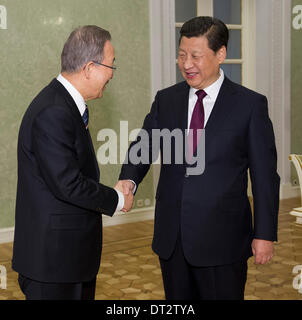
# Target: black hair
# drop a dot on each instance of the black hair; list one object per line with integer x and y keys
{"x": 213, "y": 29}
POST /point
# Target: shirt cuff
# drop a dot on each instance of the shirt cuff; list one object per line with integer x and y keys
{"x": 133, "y": 191}
{"x": 121, "y": 201}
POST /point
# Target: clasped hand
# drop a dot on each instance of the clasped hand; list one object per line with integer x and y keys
{"x": 126, "y": 187}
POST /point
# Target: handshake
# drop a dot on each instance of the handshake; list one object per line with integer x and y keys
{"x": 127, "y": 187}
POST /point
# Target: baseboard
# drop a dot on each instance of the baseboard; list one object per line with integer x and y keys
{"x": 129, "y": 217}
{"x": 287, "y": 190}
{"x": 7, "y": 235}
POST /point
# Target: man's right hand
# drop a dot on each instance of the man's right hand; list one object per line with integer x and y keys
{"x": 128, "y": 202}
{"x": 127, "y": 188}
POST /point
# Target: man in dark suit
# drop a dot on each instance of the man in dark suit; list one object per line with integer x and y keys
{"x": 203, "y": 229}
{"x": 60, "y": 202}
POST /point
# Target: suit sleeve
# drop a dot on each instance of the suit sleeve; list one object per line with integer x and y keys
{"x": 53, "y": 141}
{"x": 142, "y": 145}
{"x": 263, "y": 172}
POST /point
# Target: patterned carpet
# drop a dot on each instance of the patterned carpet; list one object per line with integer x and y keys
{"x": 130, "y": 270}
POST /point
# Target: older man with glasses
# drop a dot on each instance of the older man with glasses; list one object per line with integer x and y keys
{"x": 60, "y": 202}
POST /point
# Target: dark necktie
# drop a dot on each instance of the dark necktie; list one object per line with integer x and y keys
{"x": 197, "y": 122}
{"x": 85, "y": 117}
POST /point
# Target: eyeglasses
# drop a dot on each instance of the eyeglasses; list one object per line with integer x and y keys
{"x": 105, "y": 65}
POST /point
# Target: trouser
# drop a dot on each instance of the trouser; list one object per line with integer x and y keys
{"x": 36, "y": 290}
{"x": 183, "y": 281}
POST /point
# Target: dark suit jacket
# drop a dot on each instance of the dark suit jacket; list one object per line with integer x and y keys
{"x": 58, "y": 227}
{"x": 212, "y": 210}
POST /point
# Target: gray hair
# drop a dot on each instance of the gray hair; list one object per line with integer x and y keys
{"x": 84, "y": 44}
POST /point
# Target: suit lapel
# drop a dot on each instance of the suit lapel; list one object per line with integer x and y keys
{"x": 182, "y": 104}
{"x": 70, "y": 102}
{"x": 180, "y": 110}
{"x": 221, "y": 109}
{"x": 75, "y": 111}
{"x": 94, "y": 158}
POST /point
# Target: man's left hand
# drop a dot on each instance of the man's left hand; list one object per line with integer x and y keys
{"x": 263, "y": 250}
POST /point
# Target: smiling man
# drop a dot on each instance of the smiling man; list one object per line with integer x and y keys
{"x": 60, "y": 202}
{"x": 204, "y": 230}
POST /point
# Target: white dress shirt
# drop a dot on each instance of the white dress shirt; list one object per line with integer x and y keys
{"x": 80, "y": 102}
{"x": 208, "y": 101}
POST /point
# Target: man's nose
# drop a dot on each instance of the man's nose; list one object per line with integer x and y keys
{"x": 188, "y": 63}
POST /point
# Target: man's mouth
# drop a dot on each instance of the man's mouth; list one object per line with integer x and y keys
{"x": 191, "y": 75}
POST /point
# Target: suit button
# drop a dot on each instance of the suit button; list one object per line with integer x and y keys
{"x": 186, "y": 175}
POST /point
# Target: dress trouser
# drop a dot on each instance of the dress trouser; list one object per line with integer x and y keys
{"x": 35, "y": 290}
{"x": 183, "y": 281}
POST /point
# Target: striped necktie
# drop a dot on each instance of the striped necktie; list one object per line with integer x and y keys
{"x": 85, "y": 117}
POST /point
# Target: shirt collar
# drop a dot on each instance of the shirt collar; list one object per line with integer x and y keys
{"x": 213, "y": 89}
{"x": 75, "y": 94}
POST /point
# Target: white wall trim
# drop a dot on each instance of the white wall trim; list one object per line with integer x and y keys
{"x": 7, "y": 235}
{"x": 162, "y": 48}
{"x": 248, "y": 43}
{"x": 129, "y": 217}
{"x": 286, "y": 101}
{"x": 273, "y": 27}
{"x": 205, "y": 8}
{"x": 162, "y": 45}
{"x": 287, "y": 191}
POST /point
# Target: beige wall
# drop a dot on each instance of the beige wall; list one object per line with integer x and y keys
{"x": 30, "y": 50}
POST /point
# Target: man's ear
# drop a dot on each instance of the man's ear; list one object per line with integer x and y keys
{"x": 87, "y": 69}
{"x": 221, "y": 54}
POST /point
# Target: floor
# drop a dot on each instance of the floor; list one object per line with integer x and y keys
{"x": 130, "y": 270}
